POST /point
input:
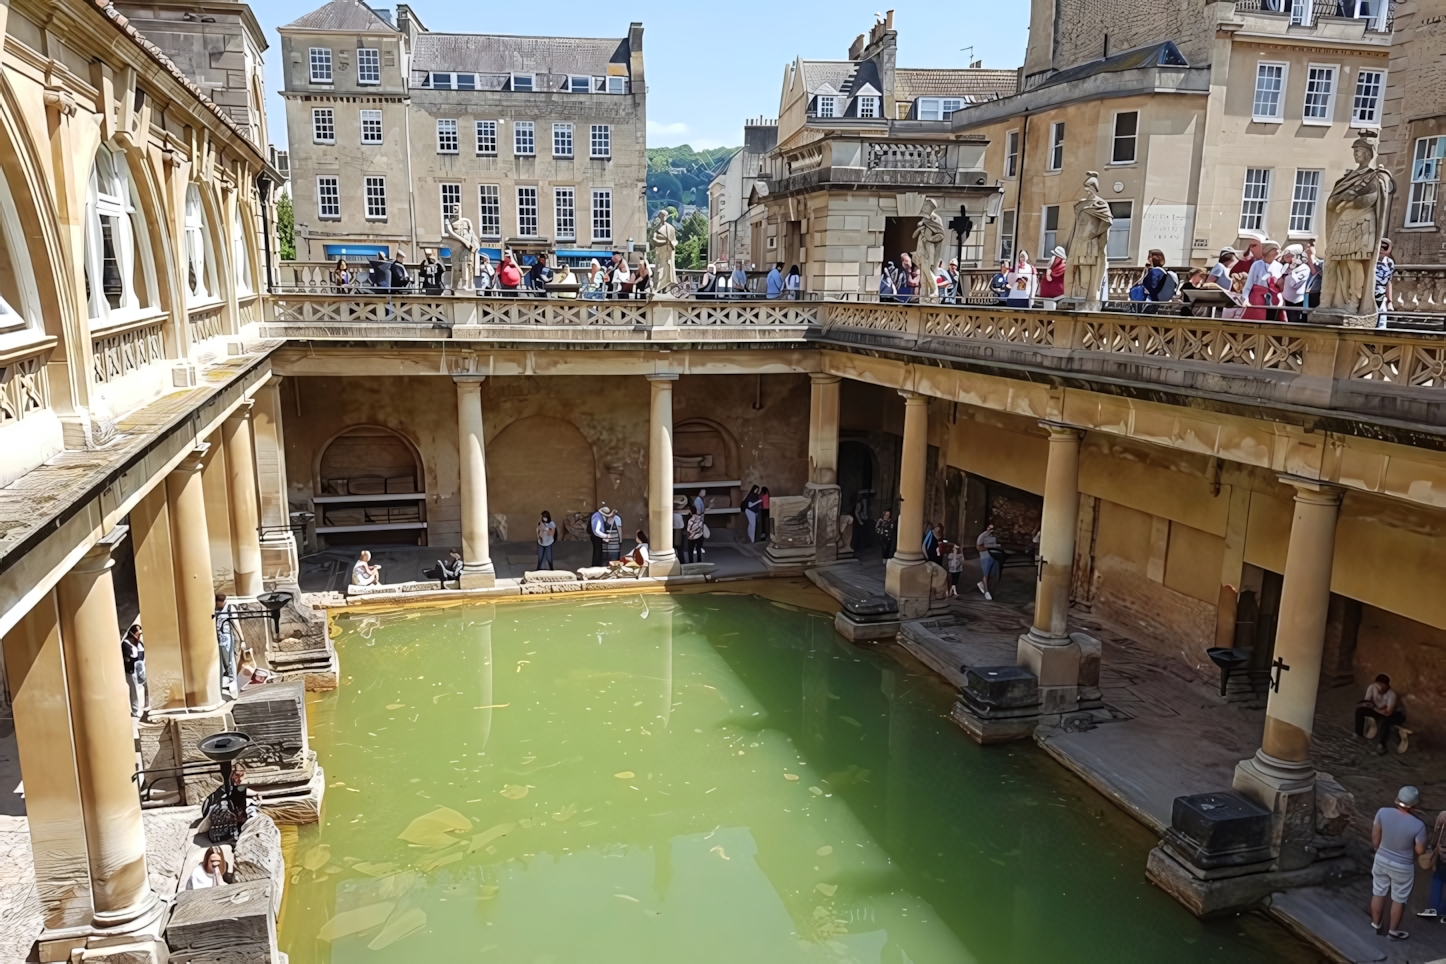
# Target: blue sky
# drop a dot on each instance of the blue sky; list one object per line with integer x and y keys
{"x": 708, "y": 71}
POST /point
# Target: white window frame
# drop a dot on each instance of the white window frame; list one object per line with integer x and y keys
{"x": 1048, "y": 237}
{"x": 1006, "y": 236}
{"x": 448, "y": 141}
{"x": 324, "y": 211}
{"x": 527, "y": 211}
{"x": 434, "y": 76}
{"x": 617, "y": 85}
{"x": 323, "y": 125}
{"x": 868, "y": 106}
{"x": 240, "y": 251}
{"x": 1054, "y": 160}
{"x": 1372, "y": 117}
{"x": 826, "y": 105}
{"x": 489, "y": 211}
{"x": 562, "y": 140}
{"x": 486, "y": 132}
{"x": 1304, "y": 201}
{"x": 1116, "y": 139}
{"x": 320, "y": 62}
{"x": 1011, "y": 153}
{"x": 448, "y": 193}
{"x": 1278, "y": 116}
{"x": 368, "y": 66}
{"x": 573, "y": 80}
{"x": 368, "y": 118}
{"x": 1255, "y": 199}
{"x": 524, "y": 139}
{"x": 1426, "y": 163}
{"x": 564, "y": 213}
{"x": 469, "y": 84}
{"x": 602, "y": 215}
{"x": 1333, "y": 71}
{"x": 600, "y": 141}
{"x": 374, "y": 191}
{"x": 112, "y": 196}
{"x": 530, "y": 80}
{"x": 928, "y": 108}
{"x": 1117, "y": 241}
{"x": 200, "y": 255}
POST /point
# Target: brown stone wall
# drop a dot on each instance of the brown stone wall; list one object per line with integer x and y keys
{"x": 1415, "y": 657}
{"x": 1415, "y": 106}
{"x": 553, "y": 443}
{"x": 1084, "y": 27}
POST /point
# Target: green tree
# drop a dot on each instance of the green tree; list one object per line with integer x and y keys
{"x": 286, "y": 227}
{"x": 693, "y": 241}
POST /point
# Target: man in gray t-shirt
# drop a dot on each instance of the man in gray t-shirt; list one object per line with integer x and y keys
{"x": 1398, "y": 835}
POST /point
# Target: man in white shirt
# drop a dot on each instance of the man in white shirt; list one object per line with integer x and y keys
{"x": 597, "y": 531}
{"x": 1383, "y": 707}
{"x": 1293, "y": 282}
{"x": 739, "y": 281}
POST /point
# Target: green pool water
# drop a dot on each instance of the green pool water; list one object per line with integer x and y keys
{"x": 709, "y": 777}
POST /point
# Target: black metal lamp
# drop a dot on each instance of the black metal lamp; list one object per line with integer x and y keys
{"x": 274, "y": 603}
{"x": 224, "y": 748}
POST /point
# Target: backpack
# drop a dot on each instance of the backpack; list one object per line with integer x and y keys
{"x": 1169, "y": 286}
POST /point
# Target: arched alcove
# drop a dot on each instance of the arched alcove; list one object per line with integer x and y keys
{"x": 704, "y": 450}
{"x": 537, "y": 463}
{"x": 370, "y": 487}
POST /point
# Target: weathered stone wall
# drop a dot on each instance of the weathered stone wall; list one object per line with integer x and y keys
{"x": 558, "y": 444}
{"x": 1090, "y": 29}
{"x": 1415, "y": 107}
{"x": 1415, "y": 657}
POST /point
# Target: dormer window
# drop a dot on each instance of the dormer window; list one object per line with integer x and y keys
{"x": 868, "y": 107}
{"x": 466, "y": 81}
{"x": 617, "y": 85}
{"x": 825, "y": 105}
{"x": 937, "y": 108}
{"x": 439, "y": 81}
{"x": 522, "y": 83}
{"x": 579, "y": 85}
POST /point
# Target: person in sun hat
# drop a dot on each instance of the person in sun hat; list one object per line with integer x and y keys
{"x": 1398, "y": 835}
{"x": 597, "y": 532}
{"x": 1051, "y": 280}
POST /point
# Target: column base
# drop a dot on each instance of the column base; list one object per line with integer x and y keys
{"x": 908, "y": 582}
{"x": 1286, "y": 789}
{"x": 1055, "y": 662}
{"x": 137, "y": 938}
{"x": 1207, "y": 897}
{"x": 478, "y": 575}
{"x": 665, "y": 564}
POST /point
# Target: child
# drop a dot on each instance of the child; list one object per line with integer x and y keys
{"x": 954, "y": 562}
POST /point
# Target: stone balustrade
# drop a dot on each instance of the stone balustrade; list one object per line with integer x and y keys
{"x": 890, "y": 155}
{"x": 120, "y": 350}
{"x": 24, "y": 389}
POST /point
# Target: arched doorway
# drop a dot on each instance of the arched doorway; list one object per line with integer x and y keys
{"x": 859, "y": 489}
{"x": 371, "y": 489}
{"x": 537, "y": 463}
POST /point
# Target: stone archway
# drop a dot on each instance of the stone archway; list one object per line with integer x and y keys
{"x": 356, "y": 472}
{"x": 536, "y": 463}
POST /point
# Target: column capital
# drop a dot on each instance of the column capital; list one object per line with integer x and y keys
{"x": 662, "y": 377}
{"x": 1313, "y": 491}
{"x": 913, "y": 398}
{"x": 823, "y": 378}
{"x": 194, "y": 458}
{"x": 474, "y": 380}
{"x": 242, "y": 409}
{"x": 272, "y": 381}
{"x": 1061, "y": 431}
{"x": 98, "y": 557}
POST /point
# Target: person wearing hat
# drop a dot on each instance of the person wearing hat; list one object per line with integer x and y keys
{"x": 1293, "y": 282}
{"x": 1051, "y": 282}
{"x": 612, "y": 534}
{"x": 1224, "y": 268}
{"x": 1397, "y": 835}
{"x": 597, "y": 531}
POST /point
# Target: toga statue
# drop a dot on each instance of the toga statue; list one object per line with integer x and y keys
{"x": 1088, "y": 257}
{"x": 928, "y": 240}
{"x": 665, "y": 243}
{"x": 464, "y": 252}
{"x": 1355, "y": 221}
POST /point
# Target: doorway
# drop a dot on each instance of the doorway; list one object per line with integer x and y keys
{"x": 899, "y": 238}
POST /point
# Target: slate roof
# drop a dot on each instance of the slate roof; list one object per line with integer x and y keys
{"x": 342, "y": 15}
{"x": 838, "y": 74}
{"x": 1155, "y": 55}
{"x": 500, "y": 54}
{"x": 972, "y": 84}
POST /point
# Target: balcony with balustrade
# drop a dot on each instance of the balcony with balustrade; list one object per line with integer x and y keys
{"x": 851, "y": 163}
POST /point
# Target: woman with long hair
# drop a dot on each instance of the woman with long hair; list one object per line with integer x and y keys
{"x": 546, "y": 536}
{"x": 340, "y": 277}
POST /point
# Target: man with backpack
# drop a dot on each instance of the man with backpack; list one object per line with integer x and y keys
{"x": 401, "y": 279}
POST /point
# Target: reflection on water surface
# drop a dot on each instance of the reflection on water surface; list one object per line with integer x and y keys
{"x": 708, "y": 777}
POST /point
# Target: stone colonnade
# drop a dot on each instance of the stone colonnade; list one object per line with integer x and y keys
{"x": 72, "y": 715}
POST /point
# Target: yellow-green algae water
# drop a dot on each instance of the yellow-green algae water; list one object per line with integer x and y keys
{"x": 706, "y": 777}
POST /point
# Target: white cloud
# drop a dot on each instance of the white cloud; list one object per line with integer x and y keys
{"x": 667, "y": 130}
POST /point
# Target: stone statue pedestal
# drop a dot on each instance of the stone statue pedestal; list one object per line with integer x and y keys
{"x": 1343, "y": 318}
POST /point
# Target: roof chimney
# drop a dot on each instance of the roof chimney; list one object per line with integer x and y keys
{"x": 385, "y": 13}
{"x": 856, "y": 49}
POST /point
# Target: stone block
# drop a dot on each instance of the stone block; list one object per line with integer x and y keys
{"x": 1292, "y": 806}
{"x": 139, "y": 952}
{"x": 158, "y": 753}
{"x": 987, "y": 732}
{"x": 1334, "y": 806}
{"x": 909, "y": 583}
{"x": 548, "y": 575}
{"x": 1000, "y": 690}
{"x": 1214, "y": 830}
{"x": 186, "y": 733}
{"x": 233, "y": 924}
{"x": 256, "y": 855}
{"x": 1090, "y": 654}
{"x": 1228, "y": 895}
{"x": 274, "y": 716}
{"x": 864, "y": 632}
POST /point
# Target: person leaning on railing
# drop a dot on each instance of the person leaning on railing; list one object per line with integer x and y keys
{"x": 341, "y": 277}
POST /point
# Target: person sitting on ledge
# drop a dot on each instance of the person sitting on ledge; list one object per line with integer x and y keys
{"x": 228, "y": 808}
{"x": 210, "y": 872}
{"x": 445, "y": 569}
{"x": 1383, "y": 708}
{"x": 637, "y": 560}
{"x": 363, "y": 573}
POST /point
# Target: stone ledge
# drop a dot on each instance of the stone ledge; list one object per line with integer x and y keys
{"x": 1207, "y": 898}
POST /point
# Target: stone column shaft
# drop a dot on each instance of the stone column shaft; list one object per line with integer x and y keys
{"x": 104, "y": 751}
{"x": 912, "y": 469}
{"x": 477, "y": 570}
{"x": 241, "y": 489}
{"x": 823, "y": 429}
{"x": 279, "y": 564}
{"x": 195, "y": 593}
{"x": 663, "y": 560}
{"x": 1057, "y": 534}
{"x": 157, "y": 589}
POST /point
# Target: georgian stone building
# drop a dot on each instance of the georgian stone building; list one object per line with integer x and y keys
{"x": 732, "y": 221}
{"x": 538, "y": 141}
{"x": 861, "y": 143}
{"x": 1413, "y": 137}
{"x": 1203, "y": 119}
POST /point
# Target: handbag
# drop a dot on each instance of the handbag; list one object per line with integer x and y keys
{"x": 1429, "y": 858}
{"x": 1138, "y": 293}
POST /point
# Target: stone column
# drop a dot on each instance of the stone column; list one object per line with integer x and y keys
{"x": 477, "y": 571}
{"x": 195, "y": 593}
{"x": 907, "y": 576}
{"x": 664, "y": 561}
{"x": 157, "y": 589}
{"x": 1046, "y": 649}
{"x": 1280, "y": 776}
{"x": 279, "y": 564}
{"x": 823, "y": 466}
{"x": 105, "y": 755}
{"x": 241, "y": 490}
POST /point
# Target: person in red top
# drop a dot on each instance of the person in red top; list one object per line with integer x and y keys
{"x": 509, "y": 275}
{"x": 1249, "y": 255}
{"x": 1051, "y": 282}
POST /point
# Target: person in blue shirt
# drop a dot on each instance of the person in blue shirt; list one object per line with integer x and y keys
{"x": 775, "y": 281}
{"x": 999, "y": 284}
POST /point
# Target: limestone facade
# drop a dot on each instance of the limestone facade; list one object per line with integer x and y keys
{"x": 1204, "y": 121}
{"x": 1413, "y": 136}
{"x": 861, "y": 143}
{"x": 538, "y": 141}
{"x": 732, "y": 218}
